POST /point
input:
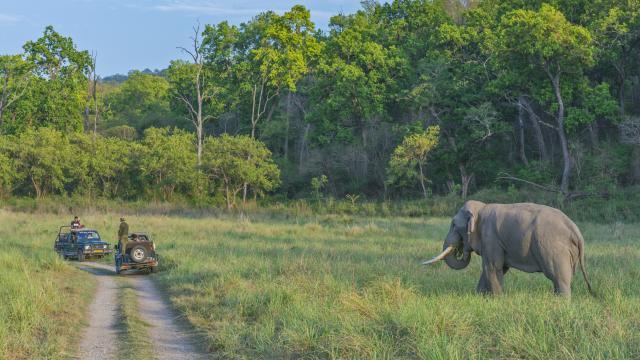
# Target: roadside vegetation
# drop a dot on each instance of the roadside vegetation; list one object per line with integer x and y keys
{"x": 43, "y": 298}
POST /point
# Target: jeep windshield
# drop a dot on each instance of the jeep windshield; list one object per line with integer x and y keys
{"x": 88, "y": 235}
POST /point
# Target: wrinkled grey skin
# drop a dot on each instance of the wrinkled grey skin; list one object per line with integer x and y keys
{"x": 526, "y": 236}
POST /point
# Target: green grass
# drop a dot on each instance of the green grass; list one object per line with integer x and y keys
{"x": 43, "y": 299}
{"x": 133, "y": 340}
{"x": 622, "y": 204}
{"x": 352, "y": 287}
{"x": 337, "y": 287}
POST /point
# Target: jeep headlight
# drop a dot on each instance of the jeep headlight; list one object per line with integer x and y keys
{"x": 87, "y": 247}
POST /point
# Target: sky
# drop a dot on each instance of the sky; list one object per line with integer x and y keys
{"x": 138, "y": 34}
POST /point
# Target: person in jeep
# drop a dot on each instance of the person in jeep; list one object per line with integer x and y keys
{"x": 75, "y": 224}
{"x": 123, "y": 233}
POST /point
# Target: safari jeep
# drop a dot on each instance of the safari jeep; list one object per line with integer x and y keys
{"x": 80, "y": 244}
{"x": 140, "y": 254}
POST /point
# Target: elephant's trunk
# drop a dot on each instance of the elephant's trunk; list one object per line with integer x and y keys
{"x": 459, "y": 259}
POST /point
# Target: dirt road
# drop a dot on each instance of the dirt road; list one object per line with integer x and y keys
{"x": 170, "y": 339}
{"x": 99, "y": 339}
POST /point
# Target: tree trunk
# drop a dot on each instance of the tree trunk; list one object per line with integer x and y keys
{"x": 621, "y": 94}
{"x": 537, "y": 130}
{"x": 285, "y": 146}
{"x": 635, "y": 164}
{"x": 303, "y": 145}
{"x": 566, "y": 157}
{"x": 593, "y": 134}
{"x": 424, "y": 189}
{"x": 3, "y": 96}
{"x": 36, "y": 187}
{"x": 94, "y": 95}
{"x": 523, "y": 155}
{"x": 199, "y": 117}
{"x": 466, "y": 180}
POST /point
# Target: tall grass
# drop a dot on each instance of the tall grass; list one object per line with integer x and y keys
{"x": 343, "y": 287}
{"x": 339, "y": 286}
{"x": 42, "y": 298}
{"x": 621, "y": 205}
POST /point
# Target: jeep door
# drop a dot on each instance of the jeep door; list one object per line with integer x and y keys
{"x": 70, "y": 245}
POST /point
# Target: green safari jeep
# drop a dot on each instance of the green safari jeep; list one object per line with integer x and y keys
{"x": 80, "y": 244}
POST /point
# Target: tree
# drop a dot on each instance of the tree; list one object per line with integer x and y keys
{"x": 616, "y": 31}
{"x": 58, "y": 94}
{"x": 277, "y": 51}
{"x": 233, "y": 161}
{"x": 544, "y": 40}
{"x": 14, "y": 82}
{"x": 103, "y": 166}
{"x": 9, "y": 175}
{"x": 411, "y": 154}
{"x": 142, "y": 101}
{"x": 190, "y": 85}
{"x": 168, "y": 161}
{"x": 44, "y": 157}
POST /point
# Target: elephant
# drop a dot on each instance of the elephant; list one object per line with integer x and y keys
{"x": 526, "y": 236}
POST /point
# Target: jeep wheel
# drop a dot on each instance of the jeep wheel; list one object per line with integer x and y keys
{"x": 138, "y": 253}
{"x": 80, "y": 255}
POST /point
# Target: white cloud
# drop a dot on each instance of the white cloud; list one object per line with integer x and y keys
{"x": 221, "y": 8}
{"x": 8, "y": 19}
{"x": 209, "y": 9}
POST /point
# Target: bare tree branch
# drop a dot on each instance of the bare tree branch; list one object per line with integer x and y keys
{"x": 509, "y": 177}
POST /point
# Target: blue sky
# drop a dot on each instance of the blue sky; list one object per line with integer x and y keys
{"x": 137, "y": 34}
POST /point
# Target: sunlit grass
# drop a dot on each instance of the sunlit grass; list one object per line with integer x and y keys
{"x": 133, "y": 339}
{"x": 339, "y": 287}
{"x": 42, "y": 298}
{"x": 345, "y": 287}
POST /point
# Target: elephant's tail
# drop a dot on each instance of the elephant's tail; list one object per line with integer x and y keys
{"x": 584, "y": 274}
{"x": 581, "y": 261}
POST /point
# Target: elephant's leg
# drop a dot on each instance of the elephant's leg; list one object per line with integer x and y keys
{"x": 559, "y": 270}
{"x": 504, "y": 272}
{"x": 483, "y": 284}
{"x": 562, "y": 277}
{"x": 494, "y": 275}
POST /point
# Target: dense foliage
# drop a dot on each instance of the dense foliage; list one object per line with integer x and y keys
{"x": 547, "y": 93}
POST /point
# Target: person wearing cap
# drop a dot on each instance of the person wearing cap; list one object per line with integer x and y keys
{"x": 123, "y": 232}
{"x": 75, "y": 224}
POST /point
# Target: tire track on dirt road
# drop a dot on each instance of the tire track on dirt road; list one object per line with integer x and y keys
{"x": 99, "y": 340}
{"x": 169, "y": 338}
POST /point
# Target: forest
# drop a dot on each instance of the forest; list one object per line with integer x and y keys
{"x": 400, "y": 100}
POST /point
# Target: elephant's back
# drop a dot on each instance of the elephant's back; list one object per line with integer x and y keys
{"x": 533, "y": 217}
{"x": 533, "y": 231}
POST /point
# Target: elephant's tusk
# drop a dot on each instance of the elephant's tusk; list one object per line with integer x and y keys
{"x": 442, "y": 255}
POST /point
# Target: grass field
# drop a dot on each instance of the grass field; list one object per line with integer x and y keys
{"x": 42, "y": 298}
{"x": 343, "y": 287}
{"x": 338, "y": 287}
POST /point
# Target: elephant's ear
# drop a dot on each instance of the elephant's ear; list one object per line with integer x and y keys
{"x": 471, "y": 222}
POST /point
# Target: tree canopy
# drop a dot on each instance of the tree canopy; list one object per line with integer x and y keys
{"x": 546, "y": 92}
